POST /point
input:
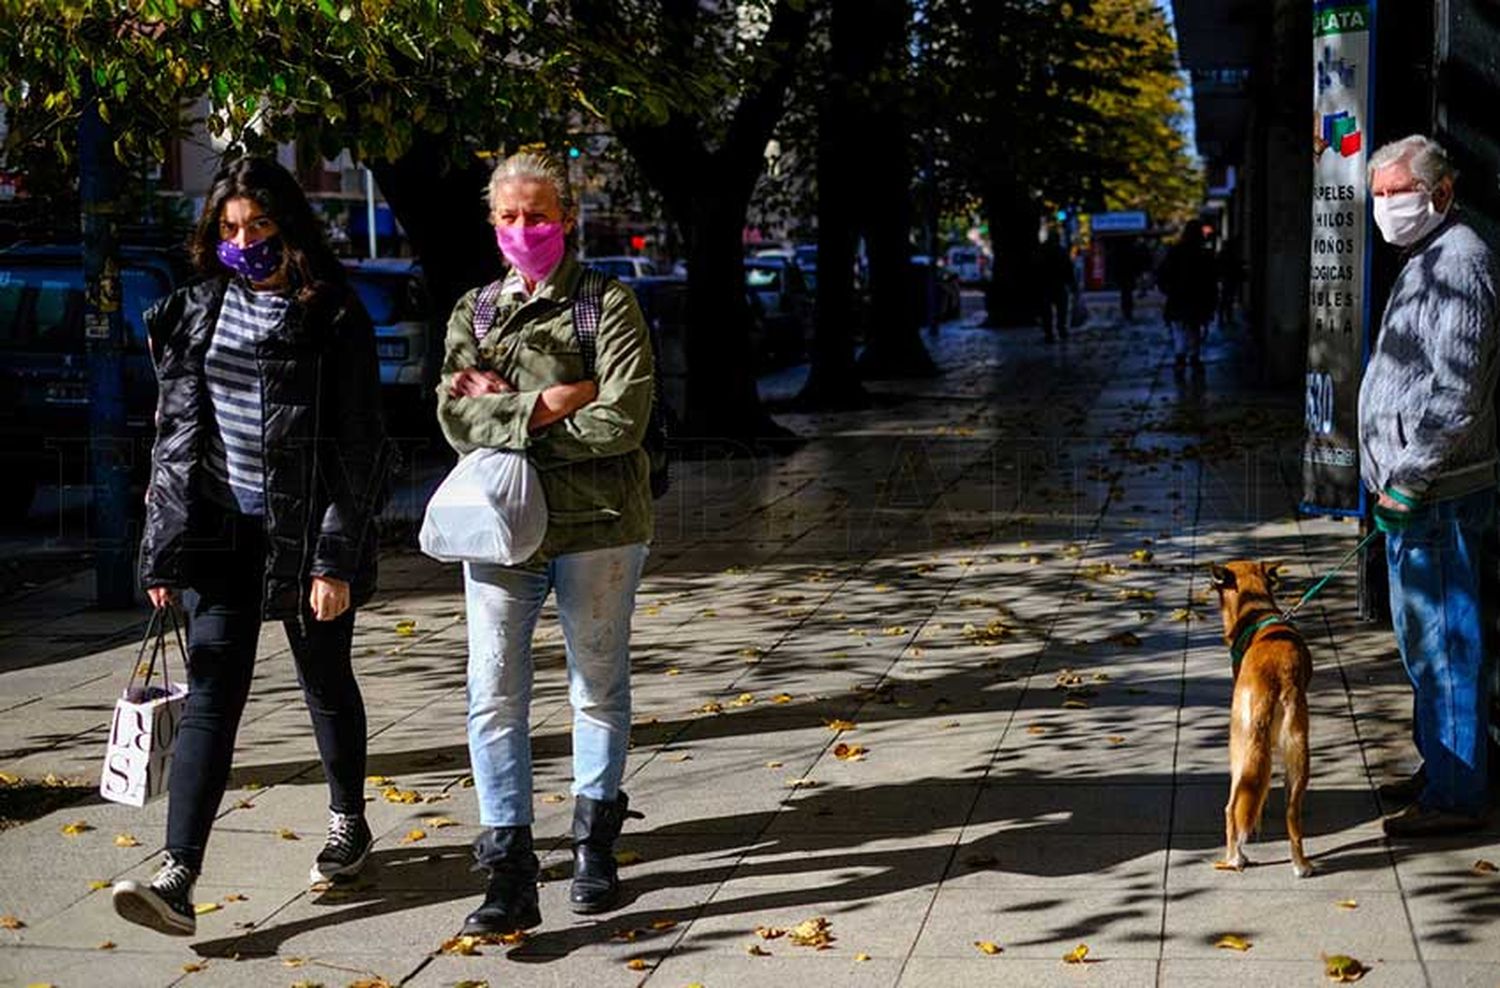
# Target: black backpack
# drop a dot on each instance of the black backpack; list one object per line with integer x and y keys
{"x": 588, "y": 307}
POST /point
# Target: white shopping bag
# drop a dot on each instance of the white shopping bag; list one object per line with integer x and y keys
{"x": 489, "y": 509}
{"x": 143, "y": 734}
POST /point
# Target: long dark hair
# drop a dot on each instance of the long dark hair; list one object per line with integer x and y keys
{"x": 315, "y": 273}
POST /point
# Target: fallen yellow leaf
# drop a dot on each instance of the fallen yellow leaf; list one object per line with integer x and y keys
{"x": 379, "y": 781}
{"x": 893, "y": 630}
{"x": 988, "y": 947}
{"x": 816, "y": 932}
{"x": 1347, "y": 904}
{"x": 1037, "y": 729}
{"x": 1143, "y": 555}
{"x": 1231, "y": 941}
{"x": 1115, "y": 739}
{"x": 1184, "y": 615}
{"x": 756, "y": 950}
{"x": 1483, "y": 867}
{"x": 850, "y": 752}
{"x": 414, "y": 835}
{"x": 774, "y": 764}
{"x": 553, "y": 797}
{"x": 1077, "y": 954}
{"x": 803, "y": 783}
{"x": 861, "y": 957}
{"x": 253, "y": 786}
{"x": 99, "y": 883}
{"x": 623, "y": 858}
{"x": 236, "y": 897}
{"x": 674, "y": 671}
{"x": 106, "y": 945}
{"x": 76, "y": 827}
{"x": 1343, "y": 968}
{"x": 406, "y": 627}
{"x": 636, "y": 964}
{"x": 439, "y": 822}
{"x": 711, "y": 707}
{"x": 1075, "y": 703}
{"x": 126, "y": 840}
{"x": 10, "y": 922}
{"x": 286, "y": 833}
{"x": 407, "y": 796}
{"x": 461, "y": 946}
{"x": 838, "y": 724}
{"x": 206, "y": 907}
{"x": 782, "y": 698}
{"x": 743, "y": 700}
{"x": 191, "y": 968}
{"x": 307, "y": 983}
{"x": 663, "y": 924}
{"x": 769, "y": 932}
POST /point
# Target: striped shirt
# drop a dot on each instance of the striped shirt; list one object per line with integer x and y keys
{"x": 236, "y": 456}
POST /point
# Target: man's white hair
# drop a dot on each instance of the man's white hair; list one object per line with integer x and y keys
{"x": 538, "y": 166}
{"x": 1425, "y": 158}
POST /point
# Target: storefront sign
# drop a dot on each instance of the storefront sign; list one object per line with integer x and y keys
{"x": 1339, "y": 317}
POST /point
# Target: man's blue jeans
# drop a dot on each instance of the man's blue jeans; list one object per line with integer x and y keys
{"x": 1438, "y": 612}
{"x": 595, "y": 599}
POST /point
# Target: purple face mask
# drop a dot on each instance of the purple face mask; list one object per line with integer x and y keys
{"x": 258, "y": 261}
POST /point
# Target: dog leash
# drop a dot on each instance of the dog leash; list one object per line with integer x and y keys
{"x": 1237, "y": 650}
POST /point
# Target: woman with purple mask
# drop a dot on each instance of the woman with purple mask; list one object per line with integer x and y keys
{"x": 267, "y": 474}
{"x": 556, "y": 360}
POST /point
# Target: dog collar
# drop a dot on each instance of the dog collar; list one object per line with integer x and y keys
{"x": 1242, "y": 643}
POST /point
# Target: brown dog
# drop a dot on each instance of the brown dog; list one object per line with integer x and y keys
{"x": 1269, "y": 710}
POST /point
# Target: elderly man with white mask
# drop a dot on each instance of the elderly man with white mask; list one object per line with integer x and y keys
{"x": 1428, "y": 451}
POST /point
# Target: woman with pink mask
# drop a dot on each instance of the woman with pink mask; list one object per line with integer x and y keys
{"x": 520, "y": 375}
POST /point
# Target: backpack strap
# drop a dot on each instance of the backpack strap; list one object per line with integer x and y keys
{"x": 485, "y": 307}
{"x": 588, "y": 308}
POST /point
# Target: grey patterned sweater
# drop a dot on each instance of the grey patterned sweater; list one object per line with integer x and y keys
{"x": 1427, "y": 404}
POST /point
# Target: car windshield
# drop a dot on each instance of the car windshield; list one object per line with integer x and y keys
{"x": 763, "y": 279}
{"x": 41, "y": 305}
{"x": 388, "y": 298}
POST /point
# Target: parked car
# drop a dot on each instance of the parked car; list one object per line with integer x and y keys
{"x": 949, "y": 298}
{"x": 781, "y": 303}
{"x": 44, "y": 367}
{"x": 969, "y": 263}
{"x": 625, "y": 267}
{"x": 408, "y": 346}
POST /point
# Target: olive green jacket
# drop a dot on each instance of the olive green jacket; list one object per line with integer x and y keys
{"x": 593, "y": 470}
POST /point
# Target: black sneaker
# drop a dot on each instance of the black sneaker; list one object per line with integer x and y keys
{"x": 164, "y": 905}
{"x": 347, "y": 847}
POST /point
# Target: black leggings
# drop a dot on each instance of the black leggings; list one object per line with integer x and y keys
{"x": 224, "y": 613}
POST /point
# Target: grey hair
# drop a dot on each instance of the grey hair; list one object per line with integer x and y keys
{"x": 1425, "y": 157}
{"x": 538, "y": 166}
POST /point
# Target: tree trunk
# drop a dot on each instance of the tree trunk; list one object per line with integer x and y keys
{"x": 1011, "y": 299}
{"x": 895, "y": 348}
{"x": 722, "y": 401}
{"x": 833, "y": 381}
{"x": 441, "y": 208}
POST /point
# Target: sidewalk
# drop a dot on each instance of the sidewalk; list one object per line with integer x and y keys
{"x": 997, "y": 577}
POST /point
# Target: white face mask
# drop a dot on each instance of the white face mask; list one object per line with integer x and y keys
{"x": 1406, "y": 217}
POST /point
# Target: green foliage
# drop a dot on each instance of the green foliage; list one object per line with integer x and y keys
{"x": 370, "y": 76}
{"x": 1056, "y": 103}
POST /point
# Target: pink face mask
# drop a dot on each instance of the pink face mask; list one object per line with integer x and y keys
{"x": 532, "y": 250}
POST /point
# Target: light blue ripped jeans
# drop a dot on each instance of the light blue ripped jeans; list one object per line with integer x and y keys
{"x": 595, "y": 599}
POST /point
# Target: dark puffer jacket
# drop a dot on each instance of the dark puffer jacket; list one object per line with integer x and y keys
{"x": 325, "y": 448}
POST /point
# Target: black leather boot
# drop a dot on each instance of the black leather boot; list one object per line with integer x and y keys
{"x": 510, "y": 902}
{"x": 596, "y": 826}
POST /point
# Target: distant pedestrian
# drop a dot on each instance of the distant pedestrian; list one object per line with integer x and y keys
{"x": 1055, "y": 286}
{"x": 1428, "y": 451}
{"x": 1189, "y": 278}
{"x": 266, "y": 477}
{"x": 1129, "y": 264}
{"x": 1231, "y": 278}
{"x": 518, "y": 380}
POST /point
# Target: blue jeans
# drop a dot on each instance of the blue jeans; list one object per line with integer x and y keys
{"x": 595, "y": 599}
{"x": 1437, "y": 608}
